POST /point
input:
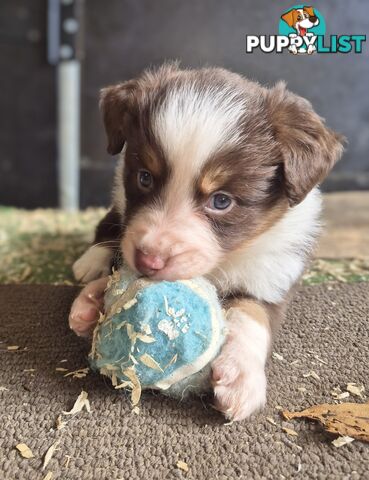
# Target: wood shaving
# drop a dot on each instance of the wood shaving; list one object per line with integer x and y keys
{"x": 145, "y": 338}
{"x": 150, "y": 362}
{"x": 146, "y": 329}
{"x": 48, "y": 455}
{"x": 60, "y": 369}
{"x": 342, "y": 395}
{"x": 136, "y": 386}
{"x": 124, "y": 385}
{"x": 4, "y": 389}
{"x": 341, "y": 441}
{"x": 24, "y": 450}
{"x": 29, "y": 370}
{"x": 320, "y": 360}
{"x": 301, "y": 389}
{"x": 136, "y": 410}
{"x": 172, "y": 360}
{"x": 271, "y": 420}
{"x": 130, "y": 304}
{"x": 277, "y": 356}
{"x": 346, "y": 419}
{"x": 289, "y": 431}
{"x": 356, "y": 390}
{"x": 81, "y": 403}
{"x": 12, "y": 348}
{"x": 311, "y": 374}
{"x": 68, "y": 457}
{"x": 80, "y": 373}
{"x": 48, "y": 476}
{"x": 60, "y": 423}
{"x": 182, "y": 466}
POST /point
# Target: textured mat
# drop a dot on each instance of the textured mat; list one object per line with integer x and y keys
{"x": 326, "y": 332}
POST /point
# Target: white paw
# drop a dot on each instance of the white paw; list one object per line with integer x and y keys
{"x": 239, "y": 386}
{"x": 93, "y": 264}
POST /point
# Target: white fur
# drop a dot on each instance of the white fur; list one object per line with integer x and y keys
{"x": 239, "y": 371}
{"x": 119, "y": 197}
{"x": 93, "y": 264}
{"x": 194, "y": 122}
{"x": 269, "y": 267}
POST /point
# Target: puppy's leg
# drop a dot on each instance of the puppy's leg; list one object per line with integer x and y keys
{"x": 239, "y": 371}
{"x": 97, "y": 261}
{"x": 87, "y": 306}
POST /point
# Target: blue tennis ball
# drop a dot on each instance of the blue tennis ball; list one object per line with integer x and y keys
{"x": 160, "y": 335}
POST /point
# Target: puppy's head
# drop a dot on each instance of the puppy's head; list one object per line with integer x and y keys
{"x": 211, "y": 161}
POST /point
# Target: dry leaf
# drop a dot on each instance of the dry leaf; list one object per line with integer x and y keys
{"x": 48, "y": 455}
{"x": 48, "y": 476}
{"x": 24, "y": 450}
{"x": 289, "y": 431}
{"x": 150, "y": 362}
{"x": 182, "y": 465}
{"x": 350, "y": 419}
{"x": 355, "y": 389}
{"x": 79, "y": 404}
{"x": 340, "y": 441}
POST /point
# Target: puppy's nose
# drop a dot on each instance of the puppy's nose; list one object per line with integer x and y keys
{"x": 313, "y": 18}
{"x": 147, "y": 263}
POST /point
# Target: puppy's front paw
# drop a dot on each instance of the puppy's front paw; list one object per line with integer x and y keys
{"x": 86, "y": 308}
{"x": 239, "y": 383}
{"x": 93, "y": 264}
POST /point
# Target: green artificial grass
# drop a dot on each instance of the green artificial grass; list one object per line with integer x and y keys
{"x": 40, "y": 246}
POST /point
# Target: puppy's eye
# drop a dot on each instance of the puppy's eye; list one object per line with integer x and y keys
{"x": 299, "y": 17}
{"x": 145, "y": 180}
{"x": 220, "y": 202}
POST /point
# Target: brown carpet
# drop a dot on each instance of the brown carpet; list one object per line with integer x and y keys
{"x": 113, "y": 443}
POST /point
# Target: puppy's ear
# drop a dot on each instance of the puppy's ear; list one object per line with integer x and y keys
{"x": 289, "y": 18}
{"x": 116, "y": 104}
{"x": 308, "y": 148}
{"x": 310, "y": 11}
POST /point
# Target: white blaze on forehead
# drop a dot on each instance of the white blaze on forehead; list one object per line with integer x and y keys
{"x": 194, "y": 121}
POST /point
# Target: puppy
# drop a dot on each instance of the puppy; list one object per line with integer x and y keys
{"x": 217, "y": 177}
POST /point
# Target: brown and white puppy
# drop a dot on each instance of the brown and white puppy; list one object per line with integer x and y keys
{"x": 301, "y": 19}
{"x": 217, "y": 177}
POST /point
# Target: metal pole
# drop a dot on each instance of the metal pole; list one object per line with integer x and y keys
{"x": 68, "y": 91}
{"x": 65, "y": 52}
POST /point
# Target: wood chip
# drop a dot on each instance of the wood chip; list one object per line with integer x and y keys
{"x": 145, "y": 338}
{"x": 60, "y": 423}
{"x": 346, "y": 419}
{"x": 289, "y": 431}
{"x": 311, "y": 374}
{"x": 150, "y": 362}
{"x": 80, "y": 373}
{"x": 48, "y": 455}
{"x": 130, "y": 304}
{"x": 12, "y": 347}
{"x": 24, "y": 450}
{"x": 81, "y": 403}
{"x": 48, "y": 476}
{"x": 182, "y": 466}
{"x": 356, "y": 390}
{"x": 136, "y": 388}
{"x": 341, "y": 441}
{"x": 277, "y": 356}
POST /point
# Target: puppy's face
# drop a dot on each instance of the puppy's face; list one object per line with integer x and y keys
{"x": 202, "y": 175}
